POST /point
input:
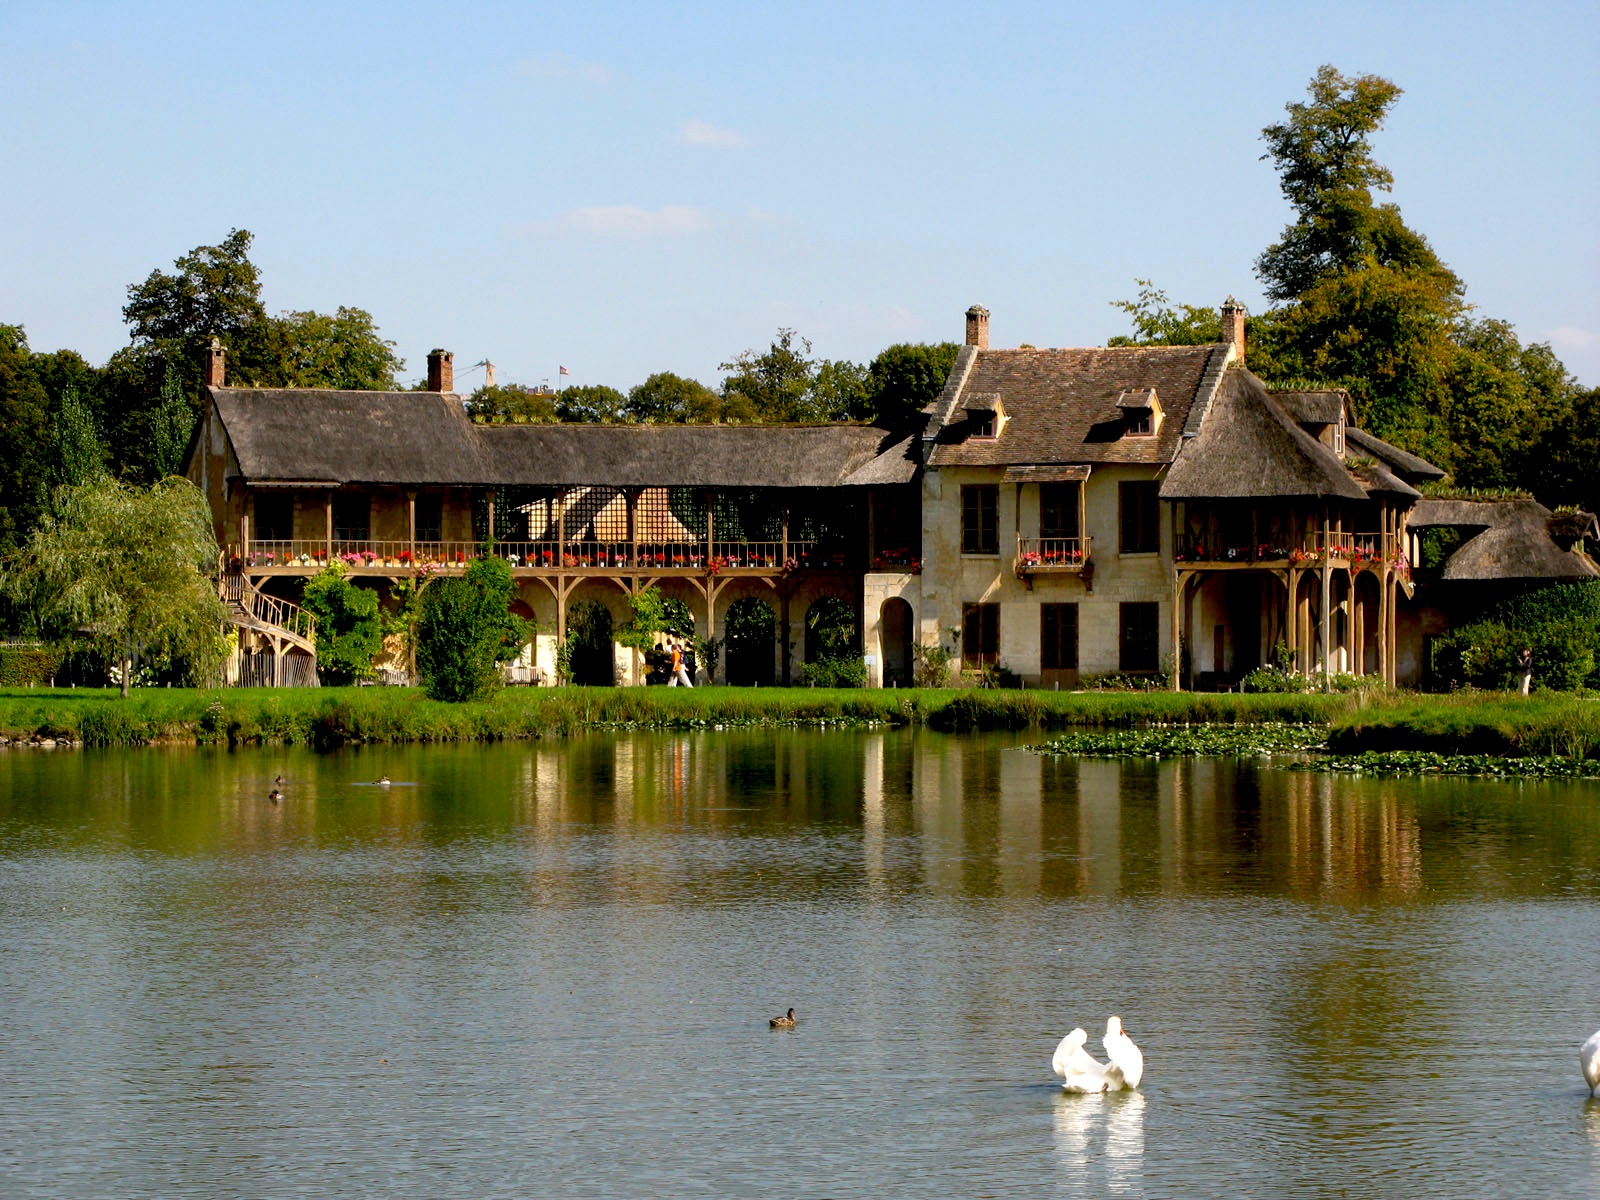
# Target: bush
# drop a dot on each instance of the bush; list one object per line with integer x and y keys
{"x": 837, "y": 673}
{"x": 1485, "y": 654}
{"x": 349, "y": 630}
{"x": 467, "y": 630}
{"x": 28, "y": 666}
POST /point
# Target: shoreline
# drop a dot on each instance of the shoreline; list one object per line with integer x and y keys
{"x": 1479, "y": 723}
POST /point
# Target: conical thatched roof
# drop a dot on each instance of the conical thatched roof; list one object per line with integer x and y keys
{"x": 1248, "y": 447}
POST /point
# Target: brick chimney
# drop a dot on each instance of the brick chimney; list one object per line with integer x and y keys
{"x": 978, "y": 327}
{"x": 214, "y": 369}
{"x": 1233, "y": 326}
{"x": 441, "y": 371}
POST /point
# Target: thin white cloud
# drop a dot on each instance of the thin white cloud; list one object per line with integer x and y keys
{"x": 562, "y": 70}
{"x": 1569, "y": 337}
{"x": 627, "y": 221}
{"x": 703, "y": 133}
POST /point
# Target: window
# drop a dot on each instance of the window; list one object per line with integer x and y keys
{"x": 430, "y": 518}
{"x": 1141, "y": 644}
{"x": 1141, "y": 517}
{"x": 981, "y": 425}
{"x": 352, "y": 518}
{"x": 1141, "y": 422}
{"x": 980, "y": 635}
{"x": 1058, "y": 637}
{"x": 980, "y": 518}
{"x": 274, "y": 517}
{"x": 1058, "y": 510}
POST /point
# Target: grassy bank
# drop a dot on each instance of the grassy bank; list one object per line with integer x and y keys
{"x": 1476, "y": 723}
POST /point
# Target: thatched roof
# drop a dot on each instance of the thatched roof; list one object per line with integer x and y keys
{"x": 321, "y": 436}
{"x": 1403, "y": 463}
{"x": 1248, "y": 447}
{"x": 1326, "y": 406}
{"x": 1061, "y": 406}
{"x": 1510, "y": 539}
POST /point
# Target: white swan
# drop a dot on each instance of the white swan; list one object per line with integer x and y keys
{"x": 1589, "y": 1056}
{"x": 1127, "y": 1063}
{"x": 1079, "y": 1070}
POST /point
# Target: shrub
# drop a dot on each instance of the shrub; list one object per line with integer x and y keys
{"x": 349, "y": 629}
{"x": 467, "y": 630}
{"x": 28, "y": 666}
{"x": 837, "y": 673}
{"x": 931, "y": 666}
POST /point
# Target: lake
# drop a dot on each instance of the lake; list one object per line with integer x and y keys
{"x": 546, "y": 969}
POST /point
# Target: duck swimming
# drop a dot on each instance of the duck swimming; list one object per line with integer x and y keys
{"x": 274, "y": 795}
{"x": 1589, "y": 1056}
{"x": 382, "y": 781}
{"x": 784, "y": 1022}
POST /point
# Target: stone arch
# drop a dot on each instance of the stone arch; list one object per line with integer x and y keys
{"x": 591, "y": 658}
{"x": 896, "y": 625}
{"x": 751, "y": 626}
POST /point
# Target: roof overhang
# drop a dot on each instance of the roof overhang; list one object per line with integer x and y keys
{"x": 1047, "y": 473}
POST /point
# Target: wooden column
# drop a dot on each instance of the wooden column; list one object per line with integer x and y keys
{"x": 411, "y": 524}
{"x": 244, "y": 532}
{"x": 1177, "y": 629}
{"x": 630, "y": 498}
{"x": 489, "y": 532}
{"x": 327, "y": 519}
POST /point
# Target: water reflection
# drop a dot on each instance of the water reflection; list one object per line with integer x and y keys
{"x": 1099, "y": 1141}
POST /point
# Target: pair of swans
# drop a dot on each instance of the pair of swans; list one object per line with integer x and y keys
{"x": 1080, "y": 1071}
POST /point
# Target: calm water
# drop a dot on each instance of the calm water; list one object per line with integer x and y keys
{"x": 547, "y": 970}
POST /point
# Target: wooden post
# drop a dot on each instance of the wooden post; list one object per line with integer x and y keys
{"x": 630, "y": 499}
{"x": 1177, "y": 629}
{"x": 244, "y": 531}
{"x": 1327, "y": 603}
{"x": 411, "y": 524}
{"x": 489, "y": 533}
{"x": 327, "y": 519}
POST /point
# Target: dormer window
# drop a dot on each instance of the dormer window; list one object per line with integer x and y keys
{"x": 986, "y": 416}
{"x": 1141, "y": 412}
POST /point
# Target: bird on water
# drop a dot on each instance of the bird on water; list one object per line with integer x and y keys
{"x": 1589, "y": 1056}
{"x": 784, "y": 1022}
{"x": 274, "y": 795}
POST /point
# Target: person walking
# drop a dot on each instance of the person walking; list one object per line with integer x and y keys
{"x": 1525, "y": 668}
{"x": 679, "y": 675}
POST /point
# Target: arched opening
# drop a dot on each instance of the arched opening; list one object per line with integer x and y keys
{"x": 831, "y": 630}
{"x": 894, "y": 639}
{"x": 590, "y": 660}
{"x": 751, "y": 629}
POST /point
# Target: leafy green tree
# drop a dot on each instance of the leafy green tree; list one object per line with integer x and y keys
{"x": 774, "y": 387}
{"x": 906, "y": 377}
{"x": 24, "y": 419}
{"x": 349, "y": 629}
{"x": 512, "y": 404}
{"x": 74, "y": 453}
{"x": 344, "y": 350}
{"x": 467, "y": 630}
{"x": 171, "y": 423}
{"x": 665, "y": 398}
{"x": 841, "y": 391}
{"x": 1565, "y": 453}
{"x": 129, "y": 570}
{"x": 593, "y": 404}
{"x": 1157, "y": 322}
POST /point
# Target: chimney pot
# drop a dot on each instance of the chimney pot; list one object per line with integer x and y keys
{"x": 214, "y": 370}
{"x": 1233, "y": 326}
{"x": 441, "y": 371}
{"x": 978, "y": 327}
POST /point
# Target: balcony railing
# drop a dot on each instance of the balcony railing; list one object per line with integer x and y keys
{"x": 1197, "y": 549}
{"x": 1063, "y": 554}
{"x": 385, "y": 557}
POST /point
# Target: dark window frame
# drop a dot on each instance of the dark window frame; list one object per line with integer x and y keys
{"x": 1139, "y": 517}
{"x": 273, "y": 526}
{"x": 1057, "y": 650}
{"x": 1062, "y": 501}
{"x": 980, "y": 636}
{"x": 430, "y": 506}
{"x": 344, "y": 509}
{"x": 1139, "y": 636}
{"x": 980, "y": 518}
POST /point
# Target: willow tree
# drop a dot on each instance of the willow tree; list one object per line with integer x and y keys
{"x": 131, "y": 571}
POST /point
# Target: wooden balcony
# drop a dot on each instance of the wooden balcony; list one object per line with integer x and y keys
{"x": 1051, "y": 556}
{"x": 389, "y": 558}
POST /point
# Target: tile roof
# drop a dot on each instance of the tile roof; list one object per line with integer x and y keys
{"x": 1061, "y": 405}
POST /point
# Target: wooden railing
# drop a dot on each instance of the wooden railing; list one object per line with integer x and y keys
{"x": 1051, "y": 554}
{"x": 237, "y": 589}
{"x": 389, "y": 556}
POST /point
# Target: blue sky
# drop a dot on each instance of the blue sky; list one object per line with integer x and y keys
{"x": 628, "y": 188}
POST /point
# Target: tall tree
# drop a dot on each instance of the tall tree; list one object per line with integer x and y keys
{"x": 906, "y": 377}
{"x": 344, "y": 350}
{"x": 665, "y": 398}
{"x": 24, "y": 418}
{"x": 591, "y": 404}
{"x": 512, "y": 404}
{"x": 773, "y": 387}
{"x": 131, "y": 570}
{"x": 1157, "y": 322}
{"x": 171, "y": 422}
{"x": 75, "y": 455}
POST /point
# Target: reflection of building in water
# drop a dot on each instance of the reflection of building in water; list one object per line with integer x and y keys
{"x": 1341, "y": 839}
{"x": 1021, "y": 819}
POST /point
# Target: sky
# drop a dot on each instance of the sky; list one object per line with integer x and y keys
{"x": 622, "y": 189}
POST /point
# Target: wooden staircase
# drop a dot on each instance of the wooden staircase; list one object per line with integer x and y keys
{"x": 287, "y": 627}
